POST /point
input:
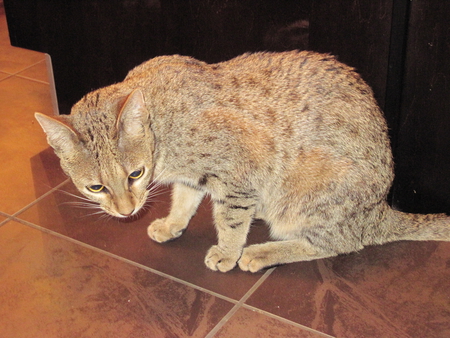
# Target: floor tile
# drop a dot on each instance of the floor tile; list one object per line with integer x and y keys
{"x": 36, "y": 72}
{"x": 3, "y": 218}
{"x": 4, "y": 75}
{"x": 396, "y": 290}
{"x": 182, "y": 258}
{"x": 23, "y": 144}
{"x": 252, "y": 324}
{"x": 14, "y": 59}
{"x": 53, "y": 288}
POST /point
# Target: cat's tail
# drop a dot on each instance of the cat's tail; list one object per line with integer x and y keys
{"x": 397, "y": 226}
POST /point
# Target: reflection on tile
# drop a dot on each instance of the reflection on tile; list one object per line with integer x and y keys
{"x": 37, "y": 72}
{"x": 251, "y": 324}
{"x": 52, "y": 288}
{"x": 21, "y": 140}
{"x": 396, "y": 290}
{"x": 182, "y": 258}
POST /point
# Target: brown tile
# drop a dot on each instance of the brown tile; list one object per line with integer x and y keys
{"x": 23, "y": 144}
{"x": 396, "y": 290}
{"x": 182, "y": 258}
{"x": 4, "y": 75}
{"x": 36, "y": 72}
{"x": 251, "y": 324}
{"x": 14, "y": 59}
{"x": 50, "y": 287}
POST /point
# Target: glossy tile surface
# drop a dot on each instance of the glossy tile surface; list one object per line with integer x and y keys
{"x": 68, "y": 272}
{"x": 252, "y": 324}
{"x": 396, "y": 290}
{"x": 62, "y": 289}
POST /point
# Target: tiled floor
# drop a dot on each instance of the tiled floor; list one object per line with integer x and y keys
{"x": 65, "y": 273}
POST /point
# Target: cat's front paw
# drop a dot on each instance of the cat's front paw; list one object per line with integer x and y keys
{"x": 219, "y": 260}
{"x": 162, "y": 231}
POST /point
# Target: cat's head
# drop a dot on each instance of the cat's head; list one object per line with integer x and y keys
{"x": 106, "y": 147}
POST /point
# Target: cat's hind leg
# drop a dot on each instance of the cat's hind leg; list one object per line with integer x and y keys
{"x": 185, "y": 201}
{"x": 259, "y": 256}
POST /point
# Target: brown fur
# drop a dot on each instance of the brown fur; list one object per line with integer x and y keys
{"x": 294, "y": 138}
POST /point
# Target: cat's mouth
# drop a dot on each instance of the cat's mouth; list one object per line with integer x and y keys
{"x": 130, "y": 211}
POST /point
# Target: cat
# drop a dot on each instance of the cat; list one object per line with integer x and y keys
{"x": 294, "y": 138}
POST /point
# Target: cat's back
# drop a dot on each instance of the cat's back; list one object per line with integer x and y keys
{"x": 293, "y": 76}
{"x": 160, "y": 64}
{"x": 314, "y": 94}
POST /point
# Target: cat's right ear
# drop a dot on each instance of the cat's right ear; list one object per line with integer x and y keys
{"x": 133, "y": 118}
{"x": 59, "y": 136}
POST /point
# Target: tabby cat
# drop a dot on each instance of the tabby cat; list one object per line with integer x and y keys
{"x": 295, "y": 138}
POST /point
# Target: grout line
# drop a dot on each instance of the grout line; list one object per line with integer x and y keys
{"x": 124, "y": 260}
{"x": 31, "y": 79}
{"x": 22, "y": 70}
{"x": 52, "y": 190}
{"x": 29, "y": 66}
{"x": 9, "y": 218}
{"x": 8, "y": 75}
{"x": 241, "y": 302}
{"x": 284, "y": 320}
{"x": 4, "y": 214}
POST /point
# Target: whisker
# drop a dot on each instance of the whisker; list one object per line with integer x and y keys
{"x": 154, "y": 186}
{"x": 82, "y": 205}
{"x": 157, "y": 193}
{"x": 100, "y": 212}
{"x": 76, "y": 203}
{"x": 76, "y": 196}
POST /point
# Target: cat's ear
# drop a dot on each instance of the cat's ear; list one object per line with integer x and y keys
{"x": 59, "y": 136}
{"x": 133, "y": 118}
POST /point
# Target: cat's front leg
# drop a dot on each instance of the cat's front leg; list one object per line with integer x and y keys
{"x": 185, "y": 201}
{"x": 232, "y": 217}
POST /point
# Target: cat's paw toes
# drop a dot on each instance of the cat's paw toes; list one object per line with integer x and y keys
{"x": 218, "y": 260}
{"x": 160, "y": 231}
{"x": 253, "y": 259}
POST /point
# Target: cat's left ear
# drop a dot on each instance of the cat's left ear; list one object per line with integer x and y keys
{"x": 133, "y": 119}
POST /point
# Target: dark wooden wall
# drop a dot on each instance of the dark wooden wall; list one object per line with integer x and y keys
{"x": 400, "y": 47}
{"x": 423, "y": 146}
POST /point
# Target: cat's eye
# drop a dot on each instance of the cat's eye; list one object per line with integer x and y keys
{"x": 136, "y": 174}
{"x": 96, "y": 188}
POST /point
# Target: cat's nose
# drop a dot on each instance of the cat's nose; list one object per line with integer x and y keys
{"x": 127, "y": 214}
